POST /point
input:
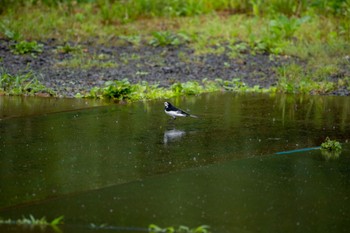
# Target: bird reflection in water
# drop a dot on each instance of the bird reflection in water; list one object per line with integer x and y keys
{"x": 173, "y": 135}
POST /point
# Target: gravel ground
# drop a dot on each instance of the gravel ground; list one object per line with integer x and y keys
{"x": 163, "y": 65}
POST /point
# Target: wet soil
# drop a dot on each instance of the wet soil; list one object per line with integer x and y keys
{"x": 93, "y": 65}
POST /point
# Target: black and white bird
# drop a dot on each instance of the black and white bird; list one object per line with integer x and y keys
{"x": 175, "y": 112}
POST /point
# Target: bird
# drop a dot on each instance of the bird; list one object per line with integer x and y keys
{"x": 175, "y": 112}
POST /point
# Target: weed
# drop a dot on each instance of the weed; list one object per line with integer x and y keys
{"x": 234, "y": 85}
{"x": 187, "y": 88}
{"x": 295, "y": 79}
{"x": 117, "y": 89}
{"x": 331, "y": 145}
{"x": 237, "y": 49}
{"x": 6, "y": 29}
{"x": 125, "y": 57}
{"x": 21, "y": 84}
{"x": 86, "y": 61}
{"x": 283, "y": 27}
{"x": 68, "y": 48}
{"x": 167, "y": 38}
{"x": 330, "y": 149}
{"x": 278, "y": 34}
{"x": 124, "y": 90}
{"x": 134, "y": 39}
{"x": 24, "y": 47}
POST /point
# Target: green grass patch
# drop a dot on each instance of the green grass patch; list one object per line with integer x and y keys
{"x": 296, "y": 78}
{"x": 68, "y": 48}
{"x": 21, "y": 84}
{"x": 83, "y": 60}
{"x": 167, "y": 38}
{"x": 124, "y": 90}
{"x": 24, "y": 47}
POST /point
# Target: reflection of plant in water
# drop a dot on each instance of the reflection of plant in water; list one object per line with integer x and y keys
{"x": 32, "y": 221}
{"x": 328, "y": 155}
{"x": 330, "y": 149}
{"x": 181, "y": 229}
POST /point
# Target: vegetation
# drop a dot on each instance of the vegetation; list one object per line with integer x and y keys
{"x": 331, "y": 145}
{"x": 24, "y": 47}
{"x": 32, "y": 221}
{"x": 181, "y": 229}
{"x": 167, "y": 38}
{"x": 124, "y": 90}
{"x": 330, "y": 149}
{"x": 21, "y": 84}
{"x": 68, "y": 48}
{"x": 277, "y": 27}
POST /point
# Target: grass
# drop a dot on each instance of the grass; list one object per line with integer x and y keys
{"x": 124, "y": 90}
{"x": 84, "y": 61}
{"x": 281, "y": 28}
{"x": 167, "y": 38}
{"x": 21, "y": 84}
{"x": 24, "y": 47}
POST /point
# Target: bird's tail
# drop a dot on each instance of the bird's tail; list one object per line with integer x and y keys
{"x": 193, "y": 116}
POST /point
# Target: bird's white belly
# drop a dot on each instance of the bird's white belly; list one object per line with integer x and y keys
{"x": 175, "y": 113}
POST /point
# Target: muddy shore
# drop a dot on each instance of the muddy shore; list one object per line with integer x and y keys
{"x": 93, "y": 65}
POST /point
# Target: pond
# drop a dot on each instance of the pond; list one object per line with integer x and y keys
{"x": 130, "y": 165}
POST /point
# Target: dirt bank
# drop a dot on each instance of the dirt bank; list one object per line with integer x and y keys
{"x": 68, "y": 73}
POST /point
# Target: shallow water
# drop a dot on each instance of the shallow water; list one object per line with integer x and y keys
{"x": 20, "y": 106}
{"x": 130, "y": 165}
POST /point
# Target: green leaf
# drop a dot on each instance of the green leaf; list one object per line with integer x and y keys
{"x": 57, "y": 220}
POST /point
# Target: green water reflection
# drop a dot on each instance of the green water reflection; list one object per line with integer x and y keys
{"x": 19, "y": 106}
{"x": 129, "y": 165}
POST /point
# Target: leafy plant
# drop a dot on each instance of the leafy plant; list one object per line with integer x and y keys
{"x": 117, "y": 89}
{"x": 331, "y": 145}
{"x": 68, "y": 48}
{"x": 167, "y": 38}
{"x": 330, "y": 149}
{"x": 24, "y": 47}
{"x": 283, "y": 27}
{"x": 187, "y": 88}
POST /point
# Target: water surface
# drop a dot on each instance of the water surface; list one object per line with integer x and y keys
{"x": 130, "y": 165}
